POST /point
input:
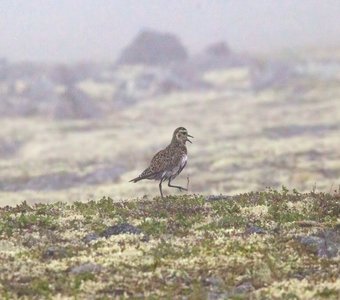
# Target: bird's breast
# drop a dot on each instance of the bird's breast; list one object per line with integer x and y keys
{"x": 183, "y": 160}
{"x": 180, "y": 165}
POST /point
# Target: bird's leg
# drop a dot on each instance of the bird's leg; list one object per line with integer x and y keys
{"x": 160, "y": 188}
{"x": 176, "y": 186}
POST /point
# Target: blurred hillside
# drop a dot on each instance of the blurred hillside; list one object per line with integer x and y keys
{"x": 81, "y": 131}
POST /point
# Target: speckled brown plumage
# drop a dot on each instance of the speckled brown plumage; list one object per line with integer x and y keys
{"x": 169, "y": 162}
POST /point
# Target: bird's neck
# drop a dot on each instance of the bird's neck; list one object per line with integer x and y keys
{"x": 175, "y": 141}
{"x": 178, "y": 144}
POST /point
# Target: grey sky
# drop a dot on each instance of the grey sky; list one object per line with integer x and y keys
{"x": 74, "y": 30}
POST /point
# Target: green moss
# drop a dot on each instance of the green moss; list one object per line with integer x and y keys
{"x": 40, "y": 287}
{"x": 23, "y": 220}
{"x": 281, "y": 213}
{"x": 328, "y": 293}
{"x": 80, "y": 278}
{"x": 153, "y": 227}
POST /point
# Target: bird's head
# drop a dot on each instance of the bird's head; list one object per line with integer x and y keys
{"x": 181, "y": 135}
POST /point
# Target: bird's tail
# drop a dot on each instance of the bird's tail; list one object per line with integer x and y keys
{"x": 136, "y": 179}
{"x": 147, "y": 174}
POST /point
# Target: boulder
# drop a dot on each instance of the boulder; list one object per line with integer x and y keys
{"x": 153, "y": 48}
{"x": 75, "y": 104}
{"x": 218, "y": 50}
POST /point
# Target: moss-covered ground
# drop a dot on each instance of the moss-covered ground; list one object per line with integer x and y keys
{"x": 263, "y": 245}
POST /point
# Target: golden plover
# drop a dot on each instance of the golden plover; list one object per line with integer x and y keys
{"x": 169, "y": 162}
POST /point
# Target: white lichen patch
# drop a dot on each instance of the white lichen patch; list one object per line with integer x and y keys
{"x": 258, "y": 211}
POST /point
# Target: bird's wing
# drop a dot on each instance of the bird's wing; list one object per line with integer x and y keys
{"x": 161, "y": 161}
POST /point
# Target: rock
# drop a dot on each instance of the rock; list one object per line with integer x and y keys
{"x": 307, "y": 223}
{"x": 312, "y": 243}
{"x": 115, "y": 230}
{"x": 91, "y": 237}
{"x": 298, "y": 276}
{"x": 211, "y": 198}
{"x": 253, "y": 229}
{"x": 325, "y": 244}
{"x": 75, "y": 104}
{"x": 30, "y": 242}
{"x": 153, "y": 48}
{"x": 120, "y": 229}
{"x": 332, "y": 242}
{"x": 54, "y": 253}
{"x": 219, "y": 50}
{"x": 272, "y": 74}
{"x": 41, "y": 92}
{"x": 86, "y": 268}
{"x": 213, "y": 281}
{"x": 243, "y": 288}
{"x": 214, "y": 295}
{"x": 214, "y": 285}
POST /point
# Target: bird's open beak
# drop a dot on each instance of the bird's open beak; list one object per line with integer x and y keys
{"x": 188, "y": 139}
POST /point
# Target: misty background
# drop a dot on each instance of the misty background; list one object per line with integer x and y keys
{"x": 85, "y": 30}
{"x": 91, "y": 90}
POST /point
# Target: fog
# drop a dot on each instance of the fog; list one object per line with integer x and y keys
{"x": 78, "y": 30}
{"x": 91, "y": 90}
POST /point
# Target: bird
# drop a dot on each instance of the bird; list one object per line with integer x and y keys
{"x": 168, "y": 163}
